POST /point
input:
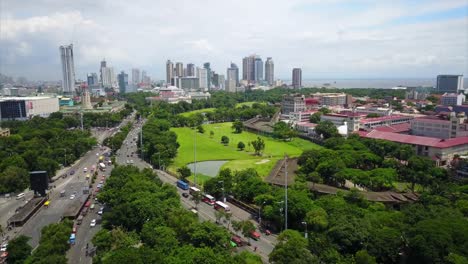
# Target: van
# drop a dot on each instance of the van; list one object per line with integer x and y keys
{"x": 194, "y": 211}
{"x": 19, "y": 196}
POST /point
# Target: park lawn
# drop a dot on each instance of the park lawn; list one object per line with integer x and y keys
{"x": 205, "y": 110}
{"x": 249, "y": 104}
{"x": 211, "y": 149}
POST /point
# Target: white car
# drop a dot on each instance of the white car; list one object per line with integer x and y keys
{"x": 85, "y": 169}
{"x": 4, "y": 247}
{"x": 99, "y": 212}
{"x": 131, "y": 161}
{"x": 72, "y": 197}
{"x": 93, "y": 223}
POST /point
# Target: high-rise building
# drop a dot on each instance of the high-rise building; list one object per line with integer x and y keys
{"x": 221, "y": 82}
{"x": 296, "y": 78}
{"x": 190, "y": 83}
{"x": 269, "y": 71}
{"x": 449, "y": 83}
{"x": 123, "y": 82}
{"x": 206, "y": 65}
{"x": 233, "y": 73}
{"x": 108, "y": 77}
{"x": 258, "y": 69}
{"x": 248, "y": 69}
{"x": 179, "y": 69}
{"x": 202, "y": 75}
{"x": 136, "y": 76}
{"x": 68, "y": 69}
{"x": 230, "y": 86}
{"x": 190, "y": 70}
{"x": 103, "y": 65}
{"x": 169, "y": 71}
{"x": 92, "y": 79}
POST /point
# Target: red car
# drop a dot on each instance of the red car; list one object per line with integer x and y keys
{"x": 255, "y": 235}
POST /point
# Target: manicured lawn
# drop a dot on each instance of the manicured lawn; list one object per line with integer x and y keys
{"x": 248, "y": 104}
{"x": 211, "y": 149}
{"x": 206, "y": 110}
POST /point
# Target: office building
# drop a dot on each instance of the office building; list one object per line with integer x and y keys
{"x": 209, "y": 73}
{"x": 293, "y": 103}
{"x": 169, "y": 72}
{"x": 68, "y": 69}
{"x": 233, "y": 73}
{"x": 443, "y": 127}
{"x": 202, "y": 75}
{"x": 23, "y": 108}
{"x": 258, "y": 69}
{"x": 297, "y": 78}
{"x": 450, "y": 99}
{"x": 190, "y": 83}
{"x": 136, "y": 79}
{"x": 108, "y": 77}
{"x": 179, "y": 69}
{"x": 123, "y": 82}
{"x": 449, "y": 83}
{"x": 221, "y": 82}
{"x": 248, "y": 69}
{"x": 103, "y": 65}
{"x": 269, "y": 71}
{"x": 190, "y": 70}
{"x": 230, "y": 86}
{"x": 145, "y": 78}
{"x": 92, "y": 80}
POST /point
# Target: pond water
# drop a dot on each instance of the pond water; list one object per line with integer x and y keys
{"x": 209, "y": 168}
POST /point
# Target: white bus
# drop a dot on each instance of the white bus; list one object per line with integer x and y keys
{"x": 221, "y": 206}
{"x": 193, "y": 190}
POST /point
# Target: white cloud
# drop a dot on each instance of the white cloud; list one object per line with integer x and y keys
{"x": 324, "y": 37}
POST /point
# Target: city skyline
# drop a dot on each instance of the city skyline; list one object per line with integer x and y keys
{"x": 361, "y": 40}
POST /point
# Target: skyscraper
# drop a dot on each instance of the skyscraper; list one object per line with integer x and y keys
{"x": 258, "y": 69}
{"x": 297, "y": 78}
{"x": 123, "y": 82}
{"x": 136, "y": 76}
{"x": 248, "y": 68}
{"x": 92, "y": 79}
{"x": 202, "y": 75}
{"x": 269, "y": 71}
{"x": 108, "y": 77}
{"x": 103, "y": 65}
{"x": 169, "y": 71}
{"x": 206, "y": 65}
{"x": 233, "y": 73}
{"x": 190, "y": 70}
{"x": 68, "y": 69}
{"x": 179, "y": 69}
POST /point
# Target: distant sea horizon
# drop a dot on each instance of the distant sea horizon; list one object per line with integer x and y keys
{"x": 381, "y": 83}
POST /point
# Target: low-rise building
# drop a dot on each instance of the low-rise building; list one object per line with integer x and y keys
{"x": 373, "y": 122}
{"x": 452, "y": 99}
{"x": 292, "y": 103}
{"x": 22, "y": 108}
{"x": 333, "y": 99}
{"x": 440, "y": 126}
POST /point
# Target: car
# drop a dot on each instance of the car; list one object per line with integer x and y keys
{"x": 101, "y": 182}
{"x": 85, "y": 169}
{"x": 93, "y": 223}
{"x": 237, "y": 240}
{"x": 131, "y": 161}
{"x": 128, "y": 161}
{"x": 72, "y": 197}
{"x": 72, "y": 172}
{"x": 3, "y": 248}
{"x": 255, "y": 235}
{"x": 185, "y": 195}
{"x": 100, "y": 212}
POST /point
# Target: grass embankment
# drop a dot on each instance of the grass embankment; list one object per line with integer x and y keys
{"x": 210, "y": 148}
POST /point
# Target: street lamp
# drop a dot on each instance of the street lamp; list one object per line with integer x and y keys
{"x": 260, "y": 214}
{"x": 224, "y": 197}
{"x": 306, "y": 235}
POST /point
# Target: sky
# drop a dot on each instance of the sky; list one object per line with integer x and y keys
{"x": 327, "y": 39}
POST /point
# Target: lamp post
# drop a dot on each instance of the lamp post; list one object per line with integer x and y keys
{"x": 195, "y": 156}
{"x": 260, "y": 214}
{"x": 306, "y": 235}
{"x": 224, "y": 197}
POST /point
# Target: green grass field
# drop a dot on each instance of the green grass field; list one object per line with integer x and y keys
{"x": 205, "y": 110}
{"x": 248, "y": 104}
{"x": 211, "y": 148}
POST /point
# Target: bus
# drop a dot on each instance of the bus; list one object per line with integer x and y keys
{"x": 208, "y": 199}
{"x": 102, "y": 166}
{"x": 221, "y": 206}
{"x": 193, "y": 190}
{"x": 183, "y": 185}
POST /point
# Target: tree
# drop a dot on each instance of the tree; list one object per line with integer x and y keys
{"x": 247, "y": 228}
{"x": 432, "y": 98}
{"x": 283, "y": 131}
{"x": 218, "y": 215}
{"x": 238, "y": 126}
{"x": 211, "y": 134}
{"x": 18, "y": 249}
{"x": 327, "y": 129}
{"x": 372, "y": 115}
{"x": 184, "y": 173}
{"x": 196, "y": 197}
{"x": 258, "y": 145}
{"x": 315, "y": 117}
{"x": 292, "y": 248}
{"x": 237, "y": 226}
{"x": 362, "y": 257}
{"x": 225, "y": 140}
{"x": 200, "y": 129}
{"x": 240, "y": 145}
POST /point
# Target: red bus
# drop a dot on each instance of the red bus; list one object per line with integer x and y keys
{"x": 193, "y": 190}
{"x": 208, "y": 199}
{"x": 221, "y": 206}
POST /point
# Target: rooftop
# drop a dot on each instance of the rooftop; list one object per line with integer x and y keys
{"x": 415, "y": 140}
{"x": 399, "y": 128}
{"x": 383, "y": 118}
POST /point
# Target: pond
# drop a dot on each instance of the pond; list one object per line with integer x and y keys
{"x": 209, "y": 168}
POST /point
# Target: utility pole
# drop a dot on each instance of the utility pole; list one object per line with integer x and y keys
{"x": 285, "y": 192}
{"x": 195, "y": 156}
{"x": 141, "y": 142}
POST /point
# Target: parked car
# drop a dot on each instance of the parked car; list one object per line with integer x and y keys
{"x": 72, "y": 197}
{"x": 255, "y": 235}
{"x": 237, "y": 240}
{"x": 100, "y": 212}
{"x": 185, "y": 195}
{"x": 72, "y": 172}
{"x": 3, "y": 248}
{"x": 93, "y": 223}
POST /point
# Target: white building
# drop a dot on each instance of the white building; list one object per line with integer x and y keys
{"x": 22, "y": 108}
{"x": 108, "y": 77}
{"x": 230, "y": 85}
{"x": 450, "y": 99}
{"x": 202, "y": 75}
{"x": 68, "y": 69}
{"x": 136, "y": 78}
